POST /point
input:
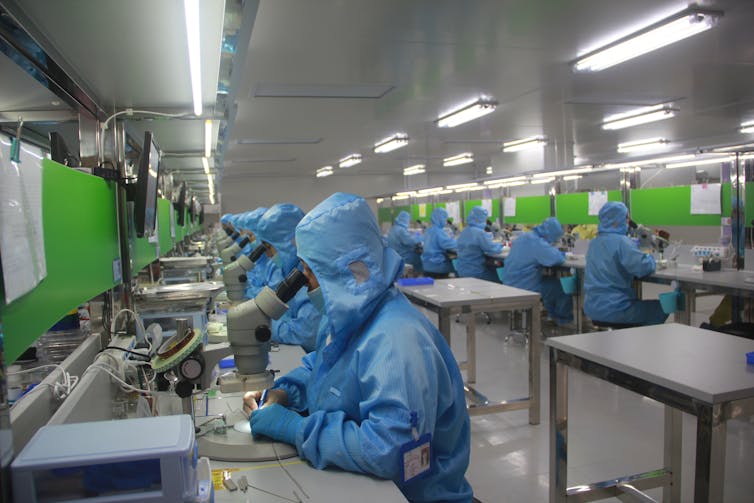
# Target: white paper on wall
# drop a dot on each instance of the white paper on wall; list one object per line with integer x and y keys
{"x": 487, "y": 205}
{"x": 705, "y": 199}
{"x": 509, "y": 206}
{"x": 454, "y": 211}
{"x": 596, "y": 201}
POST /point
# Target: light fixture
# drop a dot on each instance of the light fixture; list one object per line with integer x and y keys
{"x": 205, "y": 165}
{"x": 498, "y": 181}
{"x": 416, "y": 169}
{"x": 541, "y": 180}
{"x": 324, "y": 171}
{"x": 392, "y": 143}
{"x": 432, "y": 190}
{"x": 671, "y": 29}
{"x": 379, "y": 200}
{"x": 572, "y": 177}
{"x": 399, "y": 198}
{"x": 575, "y": 171}
{"x": 524, "y": 143}
{"x": 455, "y": 160}
{"x": 733, "y": 148}
{"x": 470, "y": 111}
{"x": 641, "y": 115}
{"x": 488, "y": 170}
{"x": 747, "y": 127}
{"x": 191, "y": 12}
{"x": 507, "y": 184}
{"x": 462, "y": 185}
{"x": 408, "y": 193}
{"x": 641, "y": 145}
{"x": 444, "y": 191}
{"x": 348, "y": 161}
{"x": 468, "y": 189}
{"x": 699, "y": 162}
{"x": 207, "y": 138}
{"x": 645, "y": 162}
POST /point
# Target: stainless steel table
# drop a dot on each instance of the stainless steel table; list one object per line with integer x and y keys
{"x": 448, "y": 297}
{"x": 662, "y": 362}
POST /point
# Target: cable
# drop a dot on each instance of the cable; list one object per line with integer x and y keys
{"x": 140, "y": 325}
{"x": 280, "y": 463}
{"x": 60, "y": 389}
{"x": 131, "y": 111}
{"x": 123, "y": 383}
{"x": 128, "y": 351}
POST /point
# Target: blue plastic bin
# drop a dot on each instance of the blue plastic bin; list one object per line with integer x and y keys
{"x": 499, "y": 271}
{"x": 669, "y": 302}
{"x": 750, "y": 358}
{"x": 416, "y": 281}
{"x": 569, "y": 284}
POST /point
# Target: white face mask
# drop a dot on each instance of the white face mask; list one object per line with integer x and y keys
{"x": 317, "y": 298}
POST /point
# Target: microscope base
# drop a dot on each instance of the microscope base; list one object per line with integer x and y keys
{"x": 234, "y": 383}
{"x": 235, "y": 442}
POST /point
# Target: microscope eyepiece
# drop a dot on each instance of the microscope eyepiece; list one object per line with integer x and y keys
{"x": 290, "y": 285}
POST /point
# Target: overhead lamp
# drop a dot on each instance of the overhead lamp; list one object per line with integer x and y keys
{"x": 507, "y": 184}
{"x": 524, "y": 143}
{"x": 191, "y": 12}
{"x": 541, "y": 180}
{"x": 399, "y": 198}
{"x": 324, "y": 171}
{"x": 462, "y": 185}
{"x": 641, "y": 145}
{"x": 416, "y": 169}
{"x": 747, "y": 127}
{"x": 392, "y": 143}
{"x": 351, "y": 160}
{"x": 468, "y": 189}
{"x": 671, "y": 29}
{"x": 733, "y": 148}
{"x": 207, "y": 138}
{"x": 470, "y": 111}
{"x": 575, "y": 171}
{"x": 432, "y": 190}
{"x": 630, "y": 170}
{"x": 380, "y": 199}
{"x": 408, "y": 193}
{"x": 572, "y": 177}
{"x": 699, "y": 162}
{"x": 456, "y": 160}
{"x": 504, "y": 180}
{"x": 488, "y": 170}
{"x": 641, "y": 115}
{"x": 205, "y": 165}
{"x": 645, "y": 162}
{"x": 441, "y": 192}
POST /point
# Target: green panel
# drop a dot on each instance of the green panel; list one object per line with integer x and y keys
{"x": 725, "y": 205}
{"x": 81, "y": 242}
{"x": 749, "y": 194}
{"x": 467, "y": 205}
{"x": 163, "y": 214}
{"x": 388, "y": 214}
{"x": 671, "y": 206}
{"x": 574, "y": 208}
{"x": 415, "y": 213}
{"x": 530, "y": 210}
{"x": 143, "y": 253}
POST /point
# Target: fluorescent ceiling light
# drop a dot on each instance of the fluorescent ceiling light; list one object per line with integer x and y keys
{"x": 324, "y": 171}
{"x": 572, "y": 177}
{"x": 645, "y": 162}
{"x": 191, "y": 12}
{"x": 455, "y": 160}
{"x": 575, "y": 171}
{"x": 441, "y": 192}
{"x": 432, "y": 190}
{"x": 524, "y": 143}
{"x": 488, "y": 170}
{"x": 541, "y": 180}
{"x": 470, "y": 111}
{"x": 700, "y": 162}
{"x": 205, "y": 165}
{"x": 392, "y": 143}
{"x": 207, "y": 138}
{"x": 505, "y": 180}
{"x": 747, "y": 127}
{"x": 638, "y": 116}
{"x": 416, "y": 169}
{"x": 672, "y": 29}
{"x": 469, "y": 189}
{"x": 409, "y": 193}
{"x": 380, "y": 199}
{"x": 641, "y": 145}
{"x": 399, "y": 198}
{"x": 462, "y": 185}
{"x": 279, "y": 141}
{"x": 351, "y": 160}
{"x": 747, "y": 146}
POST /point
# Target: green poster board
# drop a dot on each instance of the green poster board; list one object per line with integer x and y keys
{"x": 672, "y": 206}
{"x": 530, "y": 210}
{"x": 81, "y": 243}
{"x": 574, "y": 208}
{"x": 163, "y": 215}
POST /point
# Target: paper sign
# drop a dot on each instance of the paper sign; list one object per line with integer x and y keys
{"x": 596, "y": 201}
{"x": 487, "y": 205}
{"x": 705, "y": 199}
{"x": 423, "y": 210}
{"x": 509, "y": 206}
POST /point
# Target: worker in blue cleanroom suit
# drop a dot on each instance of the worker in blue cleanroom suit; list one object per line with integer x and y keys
{"x": 380, "y": 367}
{"x": 474, "y": 244}
{"x": 298, "y": 326}
{"x": 530, "y": 253}
{"x": 256, "y": 277}
{"x": 612, "y": 262}
{"x": 401, "y": 240}
{"x": 225, "y": 219}
{"x": 437, "y": 244}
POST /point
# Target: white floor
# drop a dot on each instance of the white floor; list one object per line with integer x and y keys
{"x": 612, "y": 432}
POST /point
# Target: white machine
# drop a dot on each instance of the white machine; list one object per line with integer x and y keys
{"x": 147, "y": 460}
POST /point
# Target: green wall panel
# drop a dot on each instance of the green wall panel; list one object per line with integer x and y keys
{"x": 143, "y": 253}
{"x": 574, "y": 208}
{"x": 467, "y": 205}
{"x": 81, "y": 242}
{"x": 416, "y": 210}
{"x": 163, "y": 214}
{"x": 388, "y": 214}
{"x": 749, "y": 211}
{"x": 530, "y": 210}
{"x": 672, "y": 206}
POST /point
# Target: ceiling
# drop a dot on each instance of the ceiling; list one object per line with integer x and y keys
{"x": 323, "y": 79}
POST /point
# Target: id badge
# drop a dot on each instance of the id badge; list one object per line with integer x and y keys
{"x": 416, "y": 458}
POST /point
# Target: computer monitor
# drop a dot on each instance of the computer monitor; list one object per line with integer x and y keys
{"x": 201, "y": 214}
{"x": 59, "y": 151}
{"x": 180, "y": 204}
{"x": 145, "y": 195}
{"x": 192, "y": 209}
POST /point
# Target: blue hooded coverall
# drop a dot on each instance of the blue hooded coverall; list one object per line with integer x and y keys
{"x": 298, "y": 326}
{"x": 436, "y": 244}
{"x": 378, "y": 360}
{"x": 612, "y": 262}
{"x": 255, "y": 278}
{"x": 473, "y": 245}
{"x": 532, "y": 251}
{"x": 401, "y": 240}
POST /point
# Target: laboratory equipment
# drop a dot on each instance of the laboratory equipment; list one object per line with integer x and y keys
{"x": 150, "y": 459}
{"x": 230, "y": 253}
{"x": 651, "y": 240}
{"x": 709, "y": 251}
{"x": 185, "y": 269}
{"x": 144, "y": 192}
{"x": 234, "y": 275}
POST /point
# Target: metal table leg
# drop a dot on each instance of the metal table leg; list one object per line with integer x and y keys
{"x": 535, "y": 347}
{"x": 558, "y": 429}
{"x": 444, "y": 324}
{"x": 689, "y": 306}
{"x": 672, "y": 454}
{"x": 471, "y": 349}
{"x": 710, "y": 454}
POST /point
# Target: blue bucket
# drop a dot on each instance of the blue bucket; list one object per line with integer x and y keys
{"x": 569, "y": 284}
{"x": 499, "y": 272}
{"x": 669, "y": 301}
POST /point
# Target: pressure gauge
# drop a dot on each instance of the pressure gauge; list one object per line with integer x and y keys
{"x": 192, "y": 367}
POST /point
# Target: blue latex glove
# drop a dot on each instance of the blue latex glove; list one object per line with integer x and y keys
{"x": 276, "y": 422}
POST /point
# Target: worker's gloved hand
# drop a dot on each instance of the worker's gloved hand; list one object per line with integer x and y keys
{"x": 276, "y": 422}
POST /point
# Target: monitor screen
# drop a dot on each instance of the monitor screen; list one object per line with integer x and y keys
{"x": 180, "y": 204}
{"x": 145, "y": 200}
{"x": 201, "y": 214}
